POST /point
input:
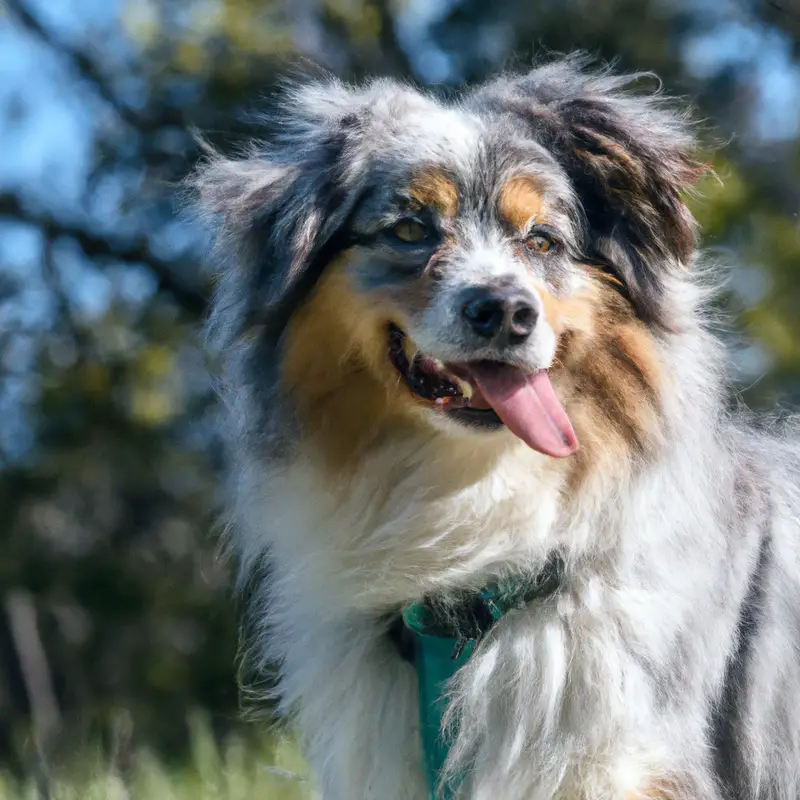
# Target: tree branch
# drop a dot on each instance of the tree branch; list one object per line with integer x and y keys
{"x": 785, "y": 16}
{"x": 101, "y": 247}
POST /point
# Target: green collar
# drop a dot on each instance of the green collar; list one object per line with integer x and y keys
{"x": 439, "y": 639}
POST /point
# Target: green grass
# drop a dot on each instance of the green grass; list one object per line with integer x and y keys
{"x": 234, "y": 770}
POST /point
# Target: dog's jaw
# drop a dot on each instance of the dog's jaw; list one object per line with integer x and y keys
{"x": 338, "y": 376}
{"x": 488, "y": 395}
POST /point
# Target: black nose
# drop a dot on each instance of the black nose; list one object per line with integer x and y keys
{"x": 492, "y": 312}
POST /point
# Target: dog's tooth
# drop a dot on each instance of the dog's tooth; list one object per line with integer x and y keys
{"x": 464, "y": 386}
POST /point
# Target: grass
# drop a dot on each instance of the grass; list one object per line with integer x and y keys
{"x": 234, "y": 770}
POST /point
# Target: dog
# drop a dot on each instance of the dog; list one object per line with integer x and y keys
{"x": 457, "y": 335}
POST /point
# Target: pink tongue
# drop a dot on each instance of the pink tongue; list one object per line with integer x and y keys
{"x": 528, "y": 406}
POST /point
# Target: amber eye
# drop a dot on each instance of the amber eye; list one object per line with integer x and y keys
{"x": 410, "y": 230}
{"x": 540, "y": 242}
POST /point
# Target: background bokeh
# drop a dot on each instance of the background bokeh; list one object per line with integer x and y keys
{"x": 115, "y": 619}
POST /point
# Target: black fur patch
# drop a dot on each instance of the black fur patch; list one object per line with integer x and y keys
{"x": 629, "y": 160}
{"x": 725, "y": 718}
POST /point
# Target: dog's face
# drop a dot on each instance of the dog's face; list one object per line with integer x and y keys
{"x": 442, "y": 288}
{"x": 498, "y": 264}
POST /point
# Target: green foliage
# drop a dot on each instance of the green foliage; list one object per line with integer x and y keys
{"x": 234, "y": 770}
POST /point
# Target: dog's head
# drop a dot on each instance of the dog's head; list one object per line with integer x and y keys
{"x": 501, "y": 261}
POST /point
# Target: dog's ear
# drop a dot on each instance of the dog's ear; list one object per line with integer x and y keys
{"x": 279, "y": 209}
{"x": 630, "y": 158}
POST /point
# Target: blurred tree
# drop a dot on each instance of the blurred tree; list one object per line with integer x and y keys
{"x": 114, "y": 602}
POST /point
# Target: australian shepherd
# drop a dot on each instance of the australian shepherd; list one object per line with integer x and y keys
{"x": 459, "y": 335}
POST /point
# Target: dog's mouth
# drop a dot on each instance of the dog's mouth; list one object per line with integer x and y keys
{"x": 488, "y": 394}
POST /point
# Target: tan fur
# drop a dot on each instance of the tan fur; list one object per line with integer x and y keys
{"x": 658, "y": 791}
{"x": 348, "y": 395}
{"x": 607, "y": 373}
{"x": 519, "y": 202}
{"x": 434, "y": 189}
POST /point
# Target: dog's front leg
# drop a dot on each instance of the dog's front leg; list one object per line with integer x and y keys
{"x": 354, "y": 702}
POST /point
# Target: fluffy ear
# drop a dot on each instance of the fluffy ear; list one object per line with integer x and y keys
{"x": 279, "y": 210}
{"x": 628, "y": 156}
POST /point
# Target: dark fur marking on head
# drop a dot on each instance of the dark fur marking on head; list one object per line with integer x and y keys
{"x": 282, "y": 211}
{"x": 629, "y": 161}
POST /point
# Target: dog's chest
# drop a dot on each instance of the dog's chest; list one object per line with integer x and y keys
{"x": 407, "y": 523}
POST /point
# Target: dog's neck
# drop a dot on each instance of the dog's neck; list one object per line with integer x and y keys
{"x": 389, "y": 508}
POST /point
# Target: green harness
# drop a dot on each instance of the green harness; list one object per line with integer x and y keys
{"x": 442, "y": 640}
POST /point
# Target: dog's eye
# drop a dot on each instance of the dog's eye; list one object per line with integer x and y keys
{"x": 540, "y": 241}
{"x": 411, "y": 230}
